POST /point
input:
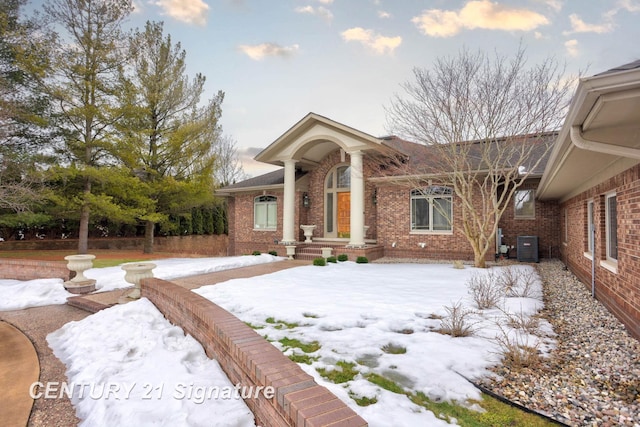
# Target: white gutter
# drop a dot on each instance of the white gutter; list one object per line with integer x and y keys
{"x": 600, "y": 147}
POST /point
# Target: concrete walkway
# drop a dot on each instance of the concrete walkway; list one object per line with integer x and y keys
{"x": 19, "y": 369}
{"x": 25, "y": 356}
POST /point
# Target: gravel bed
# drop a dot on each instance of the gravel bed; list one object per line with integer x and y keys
{"x": 592, "y": 378}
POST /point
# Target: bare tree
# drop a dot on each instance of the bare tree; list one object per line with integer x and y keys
{"x": 486, "y": 121}
{"x": 228, "y": 168}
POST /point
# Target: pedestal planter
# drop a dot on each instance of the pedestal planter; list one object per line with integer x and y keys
{"x": 291, "y": 251}
{"x": 308, "y": 232}
{"x": 134, "y": 273}
{"x": 326, "y": 252}
{"x": 80, "y": 284}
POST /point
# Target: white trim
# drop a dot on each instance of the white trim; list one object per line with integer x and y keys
{"x": 609, "y": 265}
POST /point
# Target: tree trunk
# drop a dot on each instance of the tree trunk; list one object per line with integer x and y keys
{"x": 85, "y": 212}
{"x": 149, "y": 228}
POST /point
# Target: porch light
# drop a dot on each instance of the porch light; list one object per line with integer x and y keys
{"x": 306, "y": 202}
{"x": 374, "y": 197}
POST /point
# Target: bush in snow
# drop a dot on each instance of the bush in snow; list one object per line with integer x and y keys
{"x": 487, "y": 292}
{"x": 457, "y": 323}
{"x": 321, "y": 262}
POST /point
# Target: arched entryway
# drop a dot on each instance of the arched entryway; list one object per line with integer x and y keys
{"x": 337, "y": 190}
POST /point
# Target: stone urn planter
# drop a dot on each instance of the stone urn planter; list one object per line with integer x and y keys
{"x": 308, "y": 232}
{"x": 291, "y": 251}
{"x": 80, "y": 284}
{"x": 326, "y": 252}
{"x": 134, "y": 273}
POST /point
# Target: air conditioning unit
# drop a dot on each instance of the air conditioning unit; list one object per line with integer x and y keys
{"x": 528, "y": 249}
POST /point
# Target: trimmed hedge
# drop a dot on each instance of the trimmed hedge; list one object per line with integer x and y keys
{"x": 362, "y": 260}
{"x": 321, "y": 262}
{"x": 343, "y": 257}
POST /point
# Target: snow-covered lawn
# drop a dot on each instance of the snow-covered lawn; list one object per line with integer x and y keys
{"x": 18, "y": 294}
{"x": 358, "y": 313}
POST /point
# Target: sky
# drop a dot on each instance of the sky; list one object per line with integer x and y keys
{"x": 278, "y": 60}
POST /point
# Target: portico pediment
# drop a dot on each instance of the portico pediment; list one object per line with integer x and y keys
{"x": 312, "y": 138}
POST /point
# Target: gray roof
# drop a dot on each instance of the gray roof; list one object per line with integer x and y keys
{"x": 268, "y": 179}
{"x": 630, "y": 66}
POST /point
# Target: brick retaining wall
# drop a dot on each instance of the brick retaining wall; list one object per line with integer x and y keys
{"x": 209, "y": 245}
{"x": 24, "y": 269}
{"x": 249, "y": 360}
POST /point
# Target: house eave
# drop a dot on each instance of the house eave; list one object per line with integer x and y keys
{"x": 596, "y": 142}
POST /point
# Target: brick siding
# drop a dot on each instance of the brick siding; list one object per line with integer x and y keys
{"x": 209, "y": 245}
{"x": 249, "y": 360}
{"x": 23, "y": 269}
{"x": 619, "y": 292}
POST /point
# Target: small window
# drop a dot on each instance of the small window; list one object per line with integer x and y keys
{"x": 265, "y": 213}
{"x": 611, "y": 219}
{"x": 590, "y": 227}
{"x": 431, "y": 209}
{"x": 525, "y": 202}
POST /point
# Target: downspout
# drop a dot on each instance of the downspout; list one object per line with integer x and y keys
{"x": 600, "y": 147}
{"x": 593, "y": 260}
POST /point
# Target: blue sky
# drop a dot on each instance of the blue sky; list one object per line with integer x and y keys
{"x": 277, "y": 60}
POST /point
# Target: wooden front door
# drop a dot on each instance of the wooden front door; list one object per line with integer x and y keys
{"x": 344, "y": 214}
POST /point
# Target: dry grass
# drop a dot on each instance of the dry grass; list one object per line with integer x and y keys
{"x": 486, "y": 291}
{"x": 457, "y": 322}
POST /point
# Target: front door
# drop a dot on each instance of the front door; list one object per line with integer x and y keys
{"x": 344, "y": 214}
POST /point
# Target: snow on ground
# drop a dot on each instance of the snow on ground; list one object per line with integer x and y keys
{"x": 17, "y": 295}
{"x": 354, "y": 311}
{"x": 357, "y": 311}
{"x": 134, "y": 368}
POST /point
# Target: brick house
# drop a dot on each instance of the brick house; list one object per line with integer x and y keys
{"x": 594, "y": 174}
{"x": 332, "y": 179}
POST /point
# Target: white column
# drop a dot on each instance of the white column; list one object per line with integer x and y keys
{"x": 289, "y": 203}
{"x": 357, "y": 200}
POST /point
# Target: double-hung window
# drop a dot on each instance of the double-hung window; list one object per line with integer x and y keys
{"x": 431, "y": 209}
{"x": 525, "y": 202}
{"x": 611, "y": 220}
{"x": 265, "y": 213}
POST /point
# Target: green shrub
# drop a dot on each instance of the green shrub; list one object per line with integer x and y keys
{"x": 320, "y": 262}
{"x": 362, "y": 260}
{"x": 332, "y": 259}
{"x": 274, "y": 253}
{"x": 343, "y": 257}
{"x": 256, "y": 253}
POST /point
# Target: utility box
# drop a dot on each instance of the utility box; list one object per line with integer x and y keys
{"x": 528, "y": 249}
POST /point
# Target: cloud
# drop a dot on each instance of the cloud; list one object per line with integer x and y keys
{"x": 318, "y": 11}
{"x": 483, "y": 14}
{"x": 579, "y": 26}
{"x": 383, "y": 14}
{"x": 379, "y": 44}
{"x": 258, "y": 52}
{"x": 325, "y": 1}
{"x": 572, "y": 47}
{"x": 189, "y": 11}
{"x": 629, "y": 5}
{"x": 555, "y": 5}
